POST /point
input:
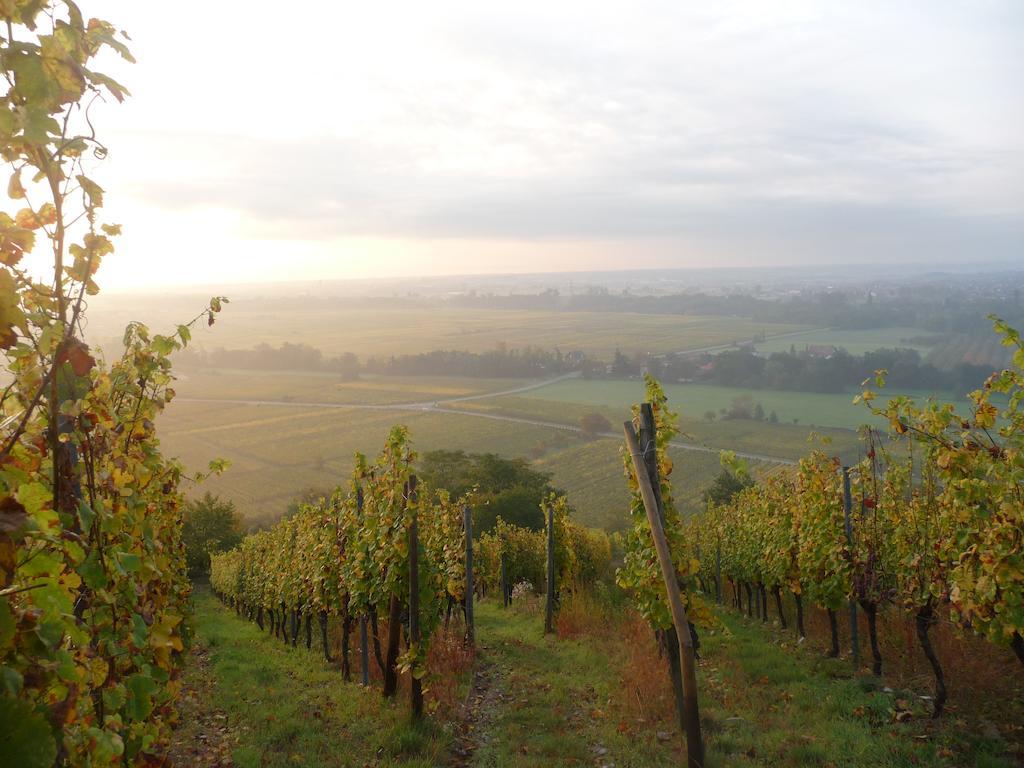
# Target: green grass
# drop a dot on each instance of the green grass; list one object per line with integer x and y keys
{"x": 278, "y": 451}
{"x": 856, "y": 342}
{"x": 788, "y": 441}
{"x": 288, "y": 708}
{"x": 554, "y": 701}
{"x": 308, "y": 386}
{"x": 768, "y": 702}
{"x": 556, "y": 694}
{"x": 810, "y": 409}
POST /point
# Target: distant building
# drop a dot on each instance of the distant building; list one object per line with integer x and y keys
{"x": 824, "y": 351}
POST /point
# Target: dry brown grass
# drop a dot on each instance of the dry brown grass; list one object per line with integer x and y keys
{"x": 449, "y": 662}
{"x": 981, "y": 678}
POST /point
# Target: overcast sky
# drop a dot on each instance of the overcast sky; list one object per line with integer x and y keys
{"x": 269, "y": 141}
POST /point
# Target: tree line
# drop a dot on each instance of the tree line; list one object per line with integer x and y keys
{"x": 501, "y": 362}
{"x": 940, "y": 309}
{"x": 831, "y": 370}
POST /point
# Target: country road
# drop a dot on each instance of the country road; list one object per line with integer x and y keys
{"x": 723, "y": 347}
{"x": 437, "y": 406}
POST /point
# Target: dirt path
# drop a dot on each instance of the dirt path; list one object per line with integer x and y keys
{"x": 204, "y": 737}
{"x": 476, "y": 716}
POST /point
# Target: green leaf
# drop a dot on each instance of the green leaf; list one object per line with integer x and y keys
{"x": 164, "y": 345}
{"x": 92, "y": 189}
{"x": 11, "y": 680}
{"x": 130, "y": 562}
{"x": 26, "y": 737}
{"x": 92, "y": 571}
{"x": 140, "y": 696}
{"x": 85, "y": 514}
{"x": 34, "y": 496}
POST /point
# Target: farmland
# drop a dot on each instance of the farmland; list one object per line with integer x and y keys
{"x": 280, "y": 446}
{"x": 856, "y": 342}
{"x": 336, "y": 326}
{"x": 309, "y": 386}
{"x": 279, "y": 451}
{"x": 810, "y": 409}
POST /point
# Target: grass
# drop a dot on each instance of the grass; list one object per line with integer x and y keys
{"x": 788, "y": 441}
{"x": 310, "y": 386}
{"x": 286, "y": 707}
{"x": 555, "y": 694}
{"x": 768, "y": 702}
{"x": 594, "y": 694}
{"x": 278, "y": 451}
{"x": 856, "y": 342}
{"x": 809, "y": 409}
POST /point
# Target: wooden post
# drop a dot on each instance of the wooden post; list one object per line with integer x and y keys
{"x": 364, "y": 651}
{"x": 694, "y": 739}
{"x": 467, "y": 516}
{"x": 648, "y": 438}
{"x": 718, "y": 574}
{"x": 415, "y": 687}
{"x": 848, "y": 517}
{"x": 549, "y": 611}
{"x": 505, "y": 600}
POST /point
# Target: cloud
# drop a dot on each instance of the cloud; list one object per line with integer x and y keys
{"x": 822, "y": 129}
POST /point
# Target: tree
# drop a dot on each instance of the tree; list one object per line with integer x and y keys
{"x": 742, "y": 407}
{"x": 210, "y": 525}
{"x": 709, "y": 415}
{"x": 510, "y": 488}
{"x": 726, "y": 486}
{"x": 306, "y": 496}
{"x": 759, "y": 412}
{"x": 594, "y": 424}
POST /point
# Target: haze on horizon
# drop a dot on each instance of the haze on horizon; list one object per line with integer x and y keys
{"x": 397, "y": 139}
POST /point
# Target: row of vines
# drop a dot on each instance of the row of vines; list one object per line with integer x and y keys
{"x": 930, "y": 522}
{"x": 349, "y": 558}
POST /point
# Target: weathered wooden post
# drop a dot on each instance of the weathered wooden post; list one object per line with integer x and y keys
{"x": 549, "y": 611}
{"x": 648, "y": 439}
{"x": 848, "y": 518}
{"x": 467, "y": 517}
{"x": 718, "y": 574}
{"x": 687, "y": 661}
{"x": 415, "y": 687}
{"x": 364, "y": 644}
{"x": 364, "y": 651}
{"x": 506, "y": 600}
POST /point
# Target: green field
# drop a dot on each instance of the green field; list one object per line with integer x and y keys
{"x": 281, "y": 447}
{"x": 311, "y": 387}
{"x": 786, "y": 441}
{"x": 334, "y": 327}
{"x": 855, "y": 342}
{"x": 810, "y": 409}
{"x": 277, "y": 452}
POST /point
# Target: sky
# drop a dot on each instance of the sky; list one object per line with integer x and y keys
{"x": 326, "y": 140}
